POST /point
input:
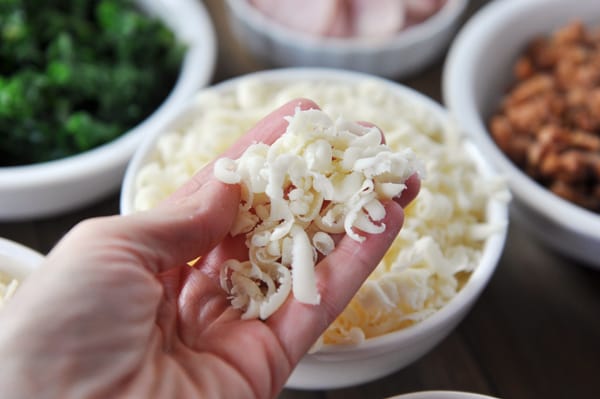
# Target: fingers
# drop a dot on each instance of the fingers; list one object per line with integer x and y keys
{"x": 266, "y": 131}
{"x": 197, "y": 217}
{"x": 413, "y": 185}
{"x": 339, "y": 276}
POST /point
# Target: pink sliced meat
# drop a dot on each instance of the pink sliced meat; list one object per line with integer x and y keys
{"x": 376, "y": 18}
{"x": 341, "y": 25}
{"x": 316, "y": 17}
{"x": 344, "y": 18}
{"x": 419, "y": 10}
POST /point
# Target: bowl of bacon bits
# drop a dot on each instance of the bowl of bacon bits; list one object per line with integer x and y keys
{"x": 523, "y": 78}
{"x": 393, "y": 38}
{"x": 327, "y": 175}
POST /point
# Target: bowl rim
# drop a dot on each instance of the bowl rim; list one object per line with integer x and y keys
{"x": 196, "y": 71}
{"x": 497, "y": 211}
{"x": 449, "y": 12}
{"x": 441, "y": 395}
{"x": 460, "y": 64}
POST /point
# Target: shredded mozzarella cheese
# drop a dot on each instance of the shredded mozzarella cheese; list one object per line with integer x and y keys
{"x": 444, "y": 230}
{"x": 295, "y": 175}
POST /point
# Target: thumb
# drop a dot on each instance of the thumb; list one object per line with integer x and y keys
{"x": 167, "y": 236}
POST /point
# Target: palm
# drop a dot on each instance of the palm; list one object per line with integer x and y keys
{"x": 171, "y": 333}
{"x": 238, "y": 358}
{"x": 198, "y": 345}
{"x": 182, "y": 336}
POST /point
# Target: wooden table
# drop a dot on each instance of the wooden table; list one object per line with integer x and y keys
{"x": 534, "y": 333}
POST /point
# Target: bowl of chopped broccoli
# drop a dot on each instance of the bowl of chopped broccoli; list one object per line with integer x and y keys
{"x": 81, "y": 84}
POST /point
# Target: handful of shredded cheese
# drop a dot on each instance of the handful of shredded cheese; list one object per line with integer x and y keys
{"x": 445, "y": 227}
{"x": 320, "y": 177}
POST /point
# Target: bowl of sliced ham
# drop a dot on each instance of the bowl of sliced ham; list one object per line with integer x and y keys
{"x": 389, "y": 38}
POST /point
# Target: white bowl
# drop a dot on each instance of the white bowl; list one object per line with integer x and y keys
{"x": 401, "y": 55}
{"x": 16, "y": 260}
{"x": 48, "y": 188}
{"x": 441, "y": 395}
{"x": 337, "y": 366}
{"x": 478, "y": 70}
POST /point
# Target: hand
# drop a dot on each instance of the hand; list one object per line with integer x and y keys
{"x": 115, "y": 311}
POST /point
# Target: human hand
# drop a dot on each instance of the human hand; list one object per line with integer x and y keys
{"x": 116, "y": 311}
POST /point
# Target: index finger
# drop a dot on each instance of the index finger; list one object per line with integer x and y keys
{"x": 197, "y": 216}
{"x": 266, "y": 131}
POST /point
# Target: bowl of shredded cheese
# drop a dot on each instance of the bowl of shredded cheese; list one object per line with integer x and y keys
{"x": 453, "y": 233}
{"x": 16, "y": 263}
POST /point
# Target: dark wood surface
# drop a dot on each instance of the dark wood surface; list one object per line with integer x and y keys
{"x": 534, "y": 332}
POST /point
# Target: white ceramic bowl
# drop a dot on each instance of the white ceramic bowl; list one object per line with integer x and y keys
{"x": 340, "y": 366}
{"x": 403, "y": 54}
{"x": 48, "y": 188}
{"x": 441, "y": 395}
{"x": 478, "y": 71}
{"x": 16, "y": 260}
